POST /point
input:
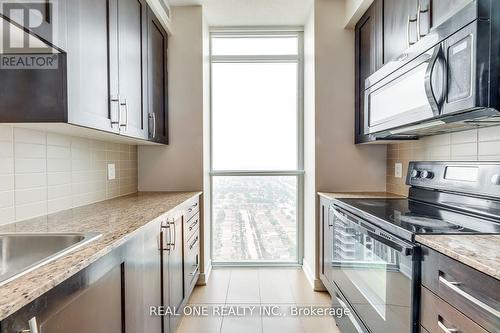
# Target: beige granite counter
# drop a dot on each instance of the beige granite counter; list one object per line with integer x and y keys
{"x": 361, "y": 195}
{"x": 481, "y": 252}
{"x": 117, "y": 220}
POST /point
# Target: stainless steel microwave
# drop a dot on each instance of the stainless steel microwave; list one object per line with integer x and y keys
{"x": 448, "y": 81}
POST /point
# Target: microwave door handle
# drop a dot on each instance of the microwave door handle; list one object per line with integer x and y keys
{"x": 435, "y": 103}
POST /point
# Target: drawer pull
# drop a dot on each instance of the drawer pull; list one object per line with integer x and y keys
{"x": 193, "y": 243}
{"x": 454, "y": 286}
{"x": 33, "y": 326}
{"x": 196, "y": 267}
{"x": 446, "y": 329}
{"x": 191, "y": 227}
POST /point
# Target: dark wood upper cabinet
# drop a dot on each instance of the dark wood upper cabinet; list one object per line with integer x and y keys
{"x": 400, "y": 27}
{"x": 157, "y": 80}
{"x": 132, "y": 64}
{"x": 111, "y": 73}
{"x": 369, "y": 58}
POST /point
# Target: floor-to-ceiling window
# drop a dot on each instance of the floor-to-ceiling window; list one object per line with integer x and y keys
{"x": 256, "y": 146}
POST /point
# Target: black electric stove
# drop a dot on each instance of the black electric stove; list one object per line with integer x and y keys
{"x": 375, "y": 261}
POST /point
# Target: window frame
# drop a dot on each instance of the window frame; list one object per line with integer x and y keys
{"x": 264, "y": 32}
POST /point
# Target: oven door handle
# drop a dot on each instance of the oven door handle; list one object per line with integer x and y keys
{"x": 404, "y": 248}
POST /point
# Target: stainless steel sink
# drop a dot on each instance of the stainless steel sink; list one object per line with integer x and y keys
{"x": 22, "y": 253}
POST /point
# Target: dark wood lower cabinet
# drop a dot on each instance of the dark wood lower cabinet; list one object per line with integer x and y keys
{"x": 115, "y": 294}
{"x": 91, "y": 301}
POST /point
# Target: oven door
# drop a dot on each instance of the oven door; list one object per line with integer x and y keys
{"x": 376, "y": 274}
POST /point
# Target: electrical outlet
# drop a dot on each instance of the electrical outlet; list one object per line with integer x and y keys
{"x": 111, "y": 171}
{"x": 398, "y": 167}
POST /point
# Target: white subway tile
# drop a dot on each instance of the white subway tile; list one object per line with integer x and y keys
{"x": 6, "y": 149}
{"x": 60, "y": 140}
{"x": 464, "y": 149}
{"x": 59, "y": 191}
{"x": 489, "y": 134}
{"x": 7, "y": 215}
{"x": 57, "y": 205}
{"x": 80, "y": 154}
{"x": 6, "y": 182}
{"x": 80, "y": 143}
{"x": 58, "y": 165}
{"x": 30, "y": 180}
{"x": 80, "y": 165}
{"x": 58, "y": 178}
{"x": 6, "y": 166}
{"x": 464, "y": 137}
{"x": 24, "y": 212}
{"x": 6, "y": 133}
{"x": 58, "y": 152}
{"x": 489, "y": 148}
{"x": 6, "y": 199}
{"x": 24, "y": 135}
{"x": 30, "y": 196}
{"x": 31, "y": 165}
{"x": 29, "y": 150}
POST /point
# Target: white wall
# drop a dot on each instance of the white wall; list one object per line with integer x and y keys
{"x": 179, "y": 166}
{"x": 340, "y": 164}
{"x": 309, "y": 148}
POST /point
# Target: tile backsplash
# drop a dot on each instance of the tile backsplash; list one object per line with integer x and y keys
{"x": 42, "y": 173}
{"x": 475, "y": 145}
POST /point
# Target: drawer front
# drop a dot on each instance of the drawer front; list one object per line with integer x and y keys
{"x": 191, "y": 261}
{"x": 191, "y": 226}
{"x": 473, "y": 293}
{"x": 192, "y": 208}
{"x": 437, "y": 316}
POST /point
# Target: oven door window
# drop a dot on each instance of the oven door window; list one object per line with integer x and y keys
{"x": 375, "y": 278}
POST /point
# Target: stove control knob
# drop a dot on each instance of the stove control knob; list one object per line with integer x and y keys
{"x": 495, "y": 180}
{"x": 416, "y": 173}
{"x": 427, "y": 174}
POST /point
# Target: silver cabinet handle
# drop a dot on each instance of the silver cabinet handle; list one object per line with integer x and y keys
{"x": 33, "y": 326}
{"x": 175, "y": 234}
{"x": 421, "y": 11}
{"x": 124, "y": 103}
{"x": 446, "y": 329}
{"x": 191, "y": 227}
{"x": 193, "y": 243}
{"x": 454, "y": 286}
{"x": 114, "y": 121}
{"x": 408, "y": 28}
{"x": 162, "y": 236}
{"x": 196, "y": 268}
{"x": 154, "y": 125}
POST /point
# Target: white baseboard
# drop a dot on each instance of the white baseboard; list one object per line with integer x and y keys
{"x": 204, "y": 276}
{"x": 316, "y": 283}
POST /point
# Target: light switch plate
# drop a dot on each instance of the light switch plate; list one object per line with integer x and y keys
{"x": 111, "y": 171}
{"x": 398, "y": 167}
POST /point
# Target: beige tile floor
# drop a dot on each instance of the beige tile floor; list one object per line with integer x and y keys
{"x": 259, "y": 287}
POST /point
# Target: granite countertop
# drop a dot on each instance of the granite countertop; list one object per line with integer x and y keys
{"x": 481, "y": 252}
{"x": 117, "y": 220}
{"x": 361, "y": 195}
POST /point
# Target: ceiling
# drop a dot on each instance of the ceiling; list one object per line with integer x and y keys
{"x": 251, "y": 12}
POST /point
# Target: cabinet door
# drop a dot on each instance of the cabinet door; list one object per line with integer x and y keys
{"x": 176, "y": 272}
{"x": 151, "y": 270}
{"x": 442, "y": 10}
{"x": 132, "y": 49}
{"x": 157, "y": 80}
{"x": 400, "y": 27}
{"x": 88, "y": 52}
{"x": 369, "y": 58}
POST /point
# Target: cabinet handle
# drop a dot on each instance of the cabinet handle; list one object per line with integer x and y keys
{"x": 446, "y": 329}
{"x": 33, "y": 326}
{"x": 421, "y": 11}
{"x": 153, "y": 116}
{"x": 115, "y": 99}
{"x": 124, "y": 103}
{"x": 195, "y": 270}
{"x": 454, "y": 286}
{"x": 162, "y": 236}
{"x": 408, "y": 28}
{"x": 191, "y": 227}
{"x": 193, "y": 243}
{"x": 175, "y": 235}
